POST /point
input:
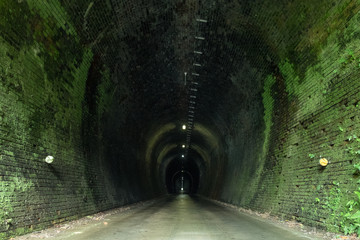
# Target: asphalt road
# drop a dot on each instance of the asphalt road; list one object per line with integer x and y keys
{"x": 180, "y": 217}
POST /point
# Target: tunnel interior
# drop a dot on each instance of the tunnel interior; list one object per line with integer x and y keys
{"x": 108, "y": 103}
{"x": 182, "y": 177}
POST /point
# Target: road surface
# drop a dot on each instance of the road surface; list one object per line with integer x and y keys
{"x": 180, "y": 217}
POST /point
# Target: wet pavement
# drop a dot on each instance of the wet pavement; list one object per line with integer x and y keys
{"x": 178, "y": 217}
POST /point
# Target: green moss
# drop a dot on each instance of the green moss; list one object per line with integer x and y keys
{"x": 15, "y": 12}
{"x": 9, "y": 153}
{"x": 76, "y": 91}
{"x": 290, "y": 77}
{"x": 10, "y": 193}
{"x": 21, "y": 231}
{"x": 53, "y": 9}
{"x": 268, "y": 103}
{"x": 105, "y": 93}
{"x": 251, "y": 177}
{"x": 42, "y": 86}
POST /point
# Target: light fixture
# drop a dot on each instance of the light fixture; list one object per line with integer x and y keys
{"x": 184, "y": 127}
{"x": 183, "y": 146}
{"x": 49, "y": 159}
{"x": 183, "y": 156}
{"x": 185, "y": 73}
{"x": 201, "y": 20}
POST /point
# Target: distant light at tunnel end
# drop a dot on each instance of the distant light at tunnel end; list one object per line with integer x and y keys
{"x": 184, "y": 127}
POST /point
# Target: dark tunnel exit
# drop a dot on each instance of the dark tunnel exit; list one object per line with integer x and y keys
{"x": 182, "y": 177}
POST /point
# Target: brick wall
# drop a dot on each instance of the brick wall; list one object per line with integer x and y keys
{"x": 314, "y": 104}
{"x": 46, "y": 98}
{"x": 87, "y": 82}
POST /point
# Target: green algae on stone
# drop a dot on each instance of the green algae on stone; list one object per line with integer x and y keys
{"x": 268, "y": 102}
{"x": 105, "y": 93}
{"x": 53, "y": 9}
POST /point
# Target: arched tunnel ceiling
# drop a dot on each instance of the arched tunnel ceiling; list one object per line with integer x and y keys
{"x": 225, "y": 47}
{"x": 149, "y": 45}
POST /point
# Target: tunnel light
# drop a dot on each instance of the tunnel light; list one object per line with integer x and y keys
{"x": 184, "y": 127}
{"x": 49, "y": 159}
{"x": 197, "y": 64}
{"x": 201, "y": 20}
{"x": 199, "y": 38}
{"x": 182, "y": 189}
{"x": 198, "y": 52}
{"x": 183, "y": 146}
{"x": 195, "y": 74}
{"x": 185, "y": 73}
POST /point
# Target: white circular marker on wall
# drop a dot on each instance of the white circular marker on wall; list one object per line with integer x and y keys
{"x": 49, "y": 159}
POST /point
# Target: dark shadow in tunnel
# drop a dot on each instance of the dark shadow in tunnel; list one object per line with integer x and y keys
{"x": 182, "y": 177}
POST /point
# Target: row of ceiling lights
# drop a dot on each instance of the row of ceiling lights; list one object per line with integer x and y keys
{"x": 193, "y": 90}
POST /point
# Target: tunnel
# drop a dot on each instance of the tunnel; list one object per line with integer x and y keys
{"x": 106, "y": 103}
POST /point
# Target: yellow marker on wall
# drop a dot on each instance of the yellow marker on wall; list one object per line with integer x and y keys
{"x": 323, "y": 162}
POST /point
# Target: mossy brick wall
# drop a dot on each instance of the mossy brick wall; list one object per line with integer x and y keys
{"x": 44, "y": 72}
{"x": 292, "y": 97}
{"x": 311, "y": 110}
